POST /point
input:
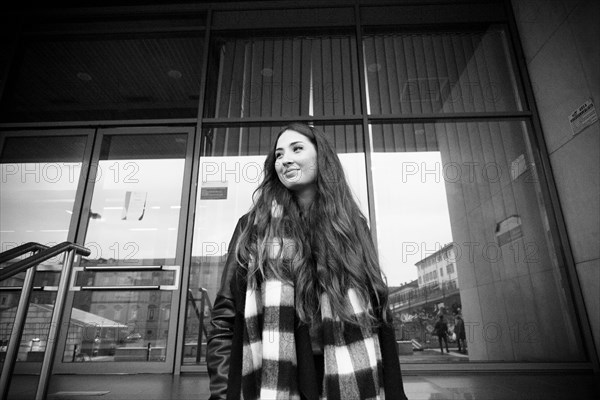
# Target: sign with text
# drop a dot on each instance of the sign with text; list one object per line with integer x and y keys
{"x": 213, "y": 191}
{"x": 583, "y": 117}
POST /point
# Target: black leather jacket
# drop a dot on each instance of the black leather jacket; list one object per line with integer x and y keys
{"x": 223, "y": 320}
{"x": 225, "y": 341}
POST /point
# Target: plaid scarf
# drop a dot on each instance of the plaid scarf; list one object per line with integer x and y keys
{"x": 353, "y": 364}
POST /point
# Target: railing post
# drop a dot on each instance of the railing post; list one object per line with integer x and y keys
{"x": 57, "y": 314}
{"x": 14, "y": 343}
{"x": 200, "y": 327}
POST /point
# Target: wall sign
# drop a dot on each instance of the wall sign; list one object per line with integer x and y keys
{"x": 213, "y": 191}
{"x": 583, "y": 117}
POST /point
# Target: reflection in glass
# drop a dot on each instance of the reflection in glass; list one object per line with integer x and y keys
{"x": 129, "y": 278}
{"x": 43, "y": 278}
{"x": 38, "y": 188}
{"x": 118, "y": 326}
{"x": 257, "y": 140}
{"x": 35, "y": 330}
{"x": 133, "y": 223}
{"x": 137, "y": 200}
{"x": 467, "y": 234}
{"x": 117, "y": 77}
{"x": 282, "y": 76}
{"x": 439, "y": 72}
{"x": 37, "y": 193}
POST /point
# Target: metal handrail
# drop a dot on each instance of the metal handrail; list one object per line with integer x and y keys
{"x": 200, "y": 315}
{"x": 204, "y": 297}
{"x": 40, "y": 257}
{"x": 29, "y": 265}
{"x": 20, "y": 250}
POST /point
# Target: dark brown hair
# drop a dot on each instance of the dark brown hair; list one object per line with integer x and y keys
{"x": 332, "y": 245}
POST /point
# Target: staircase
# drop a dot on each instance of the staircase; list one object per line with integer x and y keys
{"x": 39, "y": 254}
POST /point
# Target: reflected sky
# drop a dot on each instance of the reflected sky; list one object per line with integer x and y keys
{"x": 410, "y": 200}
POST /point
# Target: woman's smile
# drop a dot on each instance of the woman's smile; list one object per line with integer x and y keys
{"x": 291, "y": 173}
{"x": 296, "y": 162}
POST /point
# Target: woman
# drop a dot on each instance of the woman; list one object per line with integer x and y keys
{"x": 441, "y": 330}
{"x": 302, "y": 308}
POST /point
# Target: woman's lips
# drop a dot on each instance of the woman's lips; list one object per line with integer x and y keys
{"x": 290, "y": 173}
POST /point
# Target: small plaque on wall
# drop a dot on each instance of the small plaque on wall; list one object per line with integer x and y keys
{"x": 583, "y": 117}
{"x": 213, "y": 191}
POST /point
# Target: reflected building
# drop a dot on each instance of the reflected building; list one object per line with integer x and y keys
{"x": 417, "y": 304}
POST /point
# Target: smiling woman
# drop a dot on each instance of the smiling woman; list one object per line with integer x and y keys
{"x": 295, "y": 265}
{"x": 296, "y": 164}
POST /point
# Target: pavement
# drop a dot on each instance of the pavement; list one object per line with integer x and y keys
{"x": 558, "y": 385}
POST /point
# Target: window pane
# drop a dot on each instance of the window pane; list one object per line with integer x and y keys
{"x": 37, "y": 193}
{"x": 230, "y": 171}
{"x": 255, "y": 140}
{"x": 38, "y": 187}
{"x": 420, "y": 72}
{"x": 463, "y": 230}
{"x": 119, "y": 326}
{"x": 105, "y": 78}
{"x": 136, "y": 204}
{"x": 283, "y": 76}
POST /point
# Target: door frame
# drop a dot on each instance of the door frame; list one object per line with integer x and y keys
{"x": 89, "y": 133}
{"x": 86, "y": 191}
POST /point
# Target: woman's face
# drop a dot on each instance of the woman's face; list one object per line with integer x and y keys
{"x": 296, "y": 161}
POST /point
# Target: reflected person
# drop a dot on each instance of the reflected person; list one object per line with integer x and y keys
{"x": 441, "y": 330}
{"x": 459, "y": 331}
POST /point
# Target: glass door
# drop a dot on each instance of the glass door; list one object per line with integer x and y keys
{"x": 40, "y": 198}
{"x": 124, "y": 296}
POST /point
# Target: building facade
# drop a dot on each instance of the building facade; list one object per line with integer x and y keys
{"x": 140, "y": 131}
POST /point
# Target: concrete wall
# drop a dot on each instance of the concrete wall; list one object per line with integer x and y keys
{"x": 562, "y": 51}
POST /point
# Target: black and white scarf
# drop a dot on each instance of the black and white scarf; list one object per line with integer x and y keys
{"x": 353, "y": 363}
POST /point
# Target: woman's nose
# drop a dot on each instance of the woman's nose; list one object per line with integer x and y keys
{"x": 285, "y": 159}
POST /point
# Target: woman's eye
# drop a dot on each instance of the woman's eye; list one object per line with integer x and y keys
{"x": 277, "y": 156}
{"x": 297, "y": 148}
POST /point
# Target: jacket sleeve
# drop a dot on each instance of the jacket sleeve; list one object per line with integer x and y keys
{"x": 219, "y": 342}
{"x": 392, "y": 375}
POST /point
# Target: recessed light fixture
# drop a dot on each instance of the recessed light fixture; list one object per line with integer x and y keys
{"x": 174, "y": 74}
{"x": 266, "y": 72}
{"x": 83, "y": 76}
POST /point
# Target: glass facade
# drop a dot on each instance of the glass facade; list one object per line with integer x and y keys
{"x": 465, "y": 227}
{"x": 171, "y": 120}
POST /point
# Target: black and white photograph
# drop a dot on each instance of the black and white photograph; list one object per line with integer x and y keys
{"x": 300, "y": 200}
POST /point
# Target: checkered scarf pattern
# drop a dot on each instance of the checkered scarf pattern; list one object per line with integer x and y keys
{"x": 353, "y": 364}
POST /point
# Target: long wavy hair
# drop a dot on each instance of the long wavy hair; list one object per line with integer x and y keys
{"x": 326, "y": 248}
